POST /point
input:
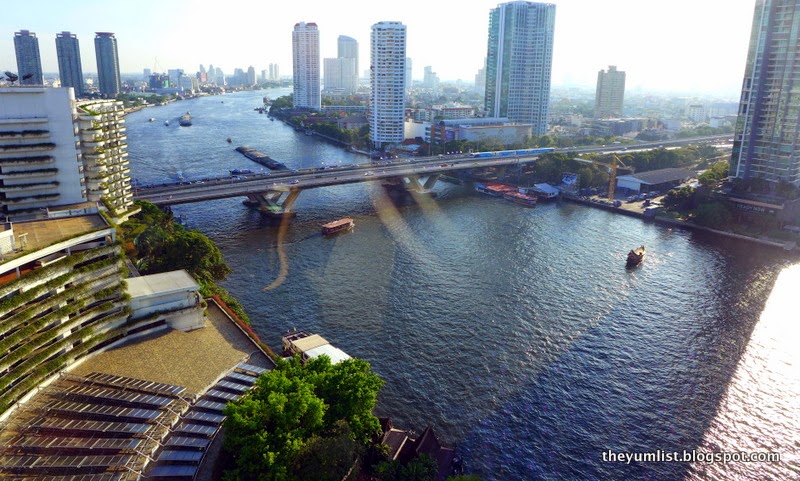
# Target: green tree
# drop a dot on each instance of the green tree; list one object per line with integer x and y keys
{"x": 421, "y": 468}
{"x": 679, "y": 199}
{"x": 326, "y": 458}
{"x": 301, "y": 414}
{"x": 713, "y": 214}
{"x": 714, "y": 175}
{"x": 464, "y": 477}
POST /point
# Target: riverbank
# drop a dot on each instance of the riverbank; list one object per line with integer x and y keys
{"x": 790, "y": 246}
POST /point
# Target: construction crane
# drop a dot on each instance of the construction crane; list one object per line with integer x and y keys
{"x": 612, "y": 172}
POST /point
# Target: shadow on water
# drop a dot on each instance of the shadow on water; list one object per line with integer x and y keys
{"x": 628, "y": 387}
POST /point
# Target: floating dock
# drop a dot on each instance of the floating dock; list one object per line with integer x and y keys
{"x": 260, "y": 158}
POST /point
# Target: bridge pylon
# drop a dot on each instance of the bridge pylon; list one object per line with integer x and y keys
{"x": 274, "y": 203}
{"x": 420, "y": 184}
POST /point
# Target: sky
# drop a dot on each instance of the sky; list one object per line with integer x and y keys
{"x": 682, "y": 46}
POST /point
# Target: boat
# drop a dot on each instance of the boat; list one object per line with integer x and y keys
{"x": 309, "y": 346}
{"x": 635, "y": 256}
{"x": 240, "y": 171}
{"x": 151, "y": 119}
{"x": 166, "y": 122}
{"x": 520, "y": 198}
{"x": 185, "y": 120}
{"x": 494, "y": 189}
{"x": 229, "y": 140}
{"x": 337, "y": 226}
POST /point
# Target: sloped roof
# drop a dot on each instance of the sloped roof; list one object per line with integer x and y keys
{"x": 660, "y": 176}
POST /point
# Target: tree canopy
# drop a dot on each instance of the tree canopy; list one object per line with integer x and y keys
{"x": 299, "y": 416}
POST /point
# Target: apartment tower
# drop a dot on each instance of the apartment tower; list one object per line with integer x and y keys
{"x": 609, "y": 94}
{"x": 306, "y": 66}
{"x": 69, "y": 62}
{"x": 388, "y": 82}
{"x": 519, "y": 61}
{"x": 105, "y": 49}
{"x": 29, "y": 62}
{"x": 768, "y": 127}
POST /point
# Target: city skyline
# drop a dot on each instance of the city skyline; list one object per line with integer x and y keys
{"x": 682, "y": 47}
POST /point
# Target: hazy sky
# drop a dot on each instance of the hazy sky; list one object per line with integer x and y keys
{"x": 677, "y": 45}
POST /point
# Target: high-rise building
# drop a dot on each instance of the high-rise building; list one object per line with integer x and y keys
{"x": 388, "y": 82}
{"x": 305, "y": 65}
{"x": 251, "y": 75}
{"x": 610, "y": 93}
{"x": 29, "y": 62}
{"x": 340, "y": 76}
{"x": 519, "y": 61}
{"x": 105, "y": 49}
{"x": 69, "y": 61}
{"x": 430, "y": 80}
{"x": 480, "y": 78}
{"x": 768, "y": 126}
{"x": 347, "y": 47}
{"x": 274, "y": 72}
{"x": 409, "y": 79}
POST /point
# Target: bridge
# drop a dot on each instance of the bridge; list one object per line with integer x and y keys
{"x": 274, "y": 193}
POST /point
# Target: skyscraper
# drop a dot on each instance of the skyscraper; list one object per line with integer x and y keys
{"x": 105, "y": 49}
{"x": 347, "y": 47}
{"x": 609, "y": 94}
{"x": 69, "y": 62}
{"x": 29, "y": 62}
{"x": 388, "y": 81}
{"x": 305, "y": 64}
{"x": 768, "y": 127}
{"x": 519, "y": 60}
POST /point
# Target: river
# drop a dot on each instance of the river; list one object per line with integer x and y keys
{"x": 517, "y": 333}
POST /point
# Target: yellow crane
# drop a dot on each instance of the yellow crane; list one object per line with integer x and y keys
{"x": 612, "y": 172}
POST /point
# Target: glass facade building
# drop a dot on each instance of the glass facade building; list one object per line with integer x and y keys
{"x": 768, "y": 127}
{"x": 519, "y": 62}
{"x": 69, "y": 61}
{"x": 388, "y": 83}
{"x": 306, "y": 66}
{"x": 29, "y": 61}
{"x": 105, "y": 49}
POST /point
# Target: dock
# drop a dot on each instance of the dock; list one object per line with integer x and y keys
{"x": 260, "y": 158}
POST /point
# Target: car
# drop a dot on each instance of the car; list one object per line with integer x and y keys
{"x": 369, "y": 172}
{"x": 295, "y": 181}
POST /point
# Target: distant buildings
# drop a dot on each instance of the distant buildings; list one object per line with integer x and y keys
{"x": 69, "y": 62}
{"x": 306, "y": 66}
{"x": 610, "y": 93}
{"x": 105, "y": 49}
{"x": 387, "y": 79}
{"x": 519, "y": 62}
{"x": 29, "y": 61}
{"x": 274, "y": 72}
{"x": 430, "y": 80}
{"x": 768, "y": 127}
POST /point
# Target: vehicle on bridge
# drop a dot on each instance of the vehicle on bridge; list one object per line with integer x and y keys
{"x": 513, "y": 153}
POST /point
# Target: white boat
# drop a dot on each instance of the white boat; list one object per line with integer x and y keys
{"x": 166, "y": 122}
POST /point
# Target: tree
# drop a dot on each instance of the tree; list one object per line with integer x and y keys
{"x": 713, "y": 214}
{"x": 421, "y": 468}
{"x": 679, "y": 199}
{"x": 464, "y": 477}
{"x": 326, "y": 458}
{"x": 317, "y": 413}
{"x": 714, "y": 175}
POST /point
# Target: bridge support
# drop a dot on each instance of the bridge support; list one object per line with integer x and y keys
{"x": 273, "y": 203}
{"x": 420, "y": 185}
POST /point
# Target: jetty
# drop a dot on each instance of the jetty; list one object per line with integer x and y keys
{"x": 260, "y": 158}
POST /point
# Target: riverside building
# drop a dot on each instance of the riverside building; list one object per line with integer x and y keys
{"x": 69, "y": 62}
{"x": 306, "y": 65}
{"x": 387, "y": 79}
{"x": 519, "y": 62}
{"x": 768, "y": 125}
{"x": 29, "y": 61}
{"x": 105, "y": 49}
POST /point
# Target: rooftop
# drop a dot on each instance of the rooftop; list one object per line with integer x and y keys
{"x": 194, "y": 360}
{"x": 659, "y": 176}
{"x": 163, "y": 283}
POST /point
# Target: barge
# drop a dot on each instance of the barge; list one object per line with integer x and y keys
{"x": 260, "y": 158}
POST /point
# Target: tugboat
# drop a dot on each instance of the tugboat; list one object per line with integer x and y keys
{"x": 635, "y": 257}
{"x": 185, "y": 120}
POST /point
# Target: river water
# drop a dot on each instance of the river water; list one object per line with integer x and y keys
{"x": 517, "y": 333}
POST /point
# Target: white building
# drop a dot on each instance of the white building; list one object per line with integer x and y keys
{"x": 40, "y": 162}
{"x": 305, "y": 64}
{"x": 340, "y": 76}
{"x": 172, "y": 296}
{"x": 387, "y": 79}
